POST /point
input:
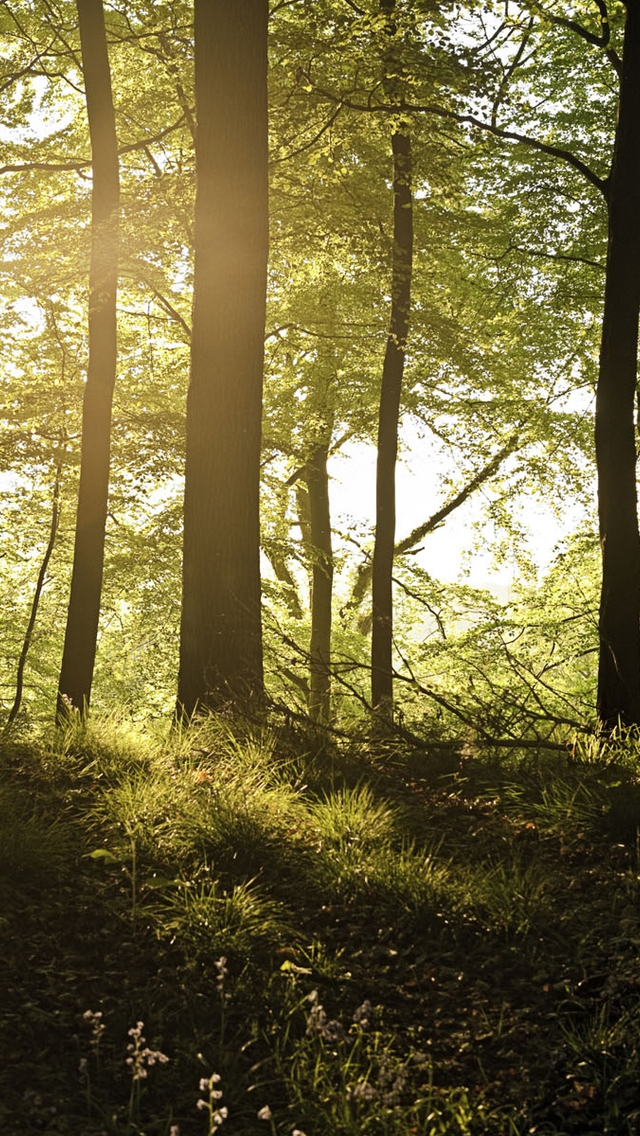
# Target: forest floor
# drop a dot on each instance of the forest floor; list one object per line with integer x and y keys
{"x": 356, "y": 939}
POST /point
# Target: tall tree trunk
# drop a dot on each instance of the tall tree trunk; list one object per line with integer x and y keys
{"x": 317, "y": 479}
{"x": 221, "y": 633}
{"x": 81, "y": 635}
{"x": 619, "y": 669}
{"x": 392, "y": 375}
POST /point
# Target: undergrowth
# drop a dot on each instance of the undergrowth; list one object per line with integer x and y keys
{"x": 236, "y": 928}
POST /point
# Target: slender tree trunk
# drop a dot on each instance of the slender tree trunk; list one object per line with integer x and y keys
{"x": 79, "y": 652}
{"x": 619, "y": 669}
{"x": 392, "y": 375}
{"x": 35, "y": 603}
{"x": 322, "y": 584}
{"x": 221, "y": 634}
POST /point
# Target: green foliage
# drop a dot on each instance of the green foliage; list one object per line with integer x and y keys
{"x": 504, "y": 325}
{"x": 209, "y": 922}
{"x": 32, "y": 846}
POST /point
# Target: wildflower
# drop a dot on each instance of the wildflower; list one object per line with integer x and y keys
{"x": 93, "y": 1018}
{"x": 217, "y": 1116}
{"x": 174, "y": 1130}
{"x": 265, "y": 1113}
{"x": 362, "y": 1016}
{"x": 363, "y": 1091}
{"x": 391, "y": 1079}
{"x": 298, "y": 1132}
{"x": 140, "y": 1056}
{"x": 318, "y": 1022}
{"x": 221, "y": 967}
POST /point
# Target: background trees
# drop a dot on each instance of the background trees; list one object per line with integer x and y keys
{"x": 78, "y": 659}
{"x": 511, "y": 123}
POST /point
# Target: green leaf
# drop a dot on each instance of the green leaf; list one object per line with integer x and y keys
{"x": 103, "y": 854}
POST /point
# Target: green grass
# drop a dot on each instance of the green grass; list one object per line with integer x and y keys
{"x": 360, "y": 944}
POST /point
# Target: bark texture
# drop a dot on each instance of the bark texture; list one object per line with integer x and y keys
{"x": 619, "y": 668}
{"x": 220, "y": 634}
{"x": 81, "y": 635}
{"x": 392, "y": 375}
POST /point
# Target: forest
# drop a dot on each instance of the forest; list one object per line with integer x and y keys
{"x": 310, "y": 824}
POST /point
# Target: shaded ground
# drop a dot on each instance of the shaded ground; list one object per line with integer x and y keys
{"x": 490, "y": 929}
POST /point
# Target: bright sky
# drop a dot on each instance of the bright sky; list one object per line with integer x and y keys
{"x": 448, "y": 552}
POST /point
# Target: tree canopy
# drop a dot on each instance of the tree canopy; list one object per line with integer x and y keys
{"x": 511, "y": 113}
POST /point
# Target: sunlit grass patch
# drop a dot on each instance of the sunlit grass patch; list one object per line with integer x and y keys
{"x": 106, "y": 745}
{"x": 351, "y": 818}
{"x": 208, "y": 920}
{"x": 144, "y": 807}
{"x": 416, "y": 881}
{"x": 240, "y": 807}
{"x": 361, "y": 855}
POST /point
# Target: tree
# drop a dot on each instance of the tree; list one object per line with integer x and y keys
{"x": 392, "y": 374}
{"x": 619, "y": 666}
{"x": 220, "y": 632}
{"x": 78, "y": 659}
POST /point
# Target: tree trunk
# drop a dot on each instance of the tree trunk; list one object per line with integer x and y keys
{"x": 619, "y": 669}
{"x": 81, "y": 635}
{"x": 392, "y": 374}
{"x": 35, "y": 603}
{"x": 220, "y": 633}
{"x": 322, "y": 584}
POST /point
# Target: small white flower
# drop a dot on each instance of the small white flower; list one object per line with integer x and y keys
{"x": 202, "y": 1104}
{"x": 174, "y": 1130}
{"x": 220, "y": 1115}
{"x": 265, "y": 1113}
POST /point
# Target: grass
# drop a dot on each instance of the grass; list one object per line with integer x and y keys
{"x": 339, "y": 943}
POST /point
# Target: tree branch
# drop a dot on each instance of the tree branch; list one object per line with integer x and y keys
{"x": 601, "y": 184}
{"x": 78, "y": 164}
{"x": 363, "y": 576}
